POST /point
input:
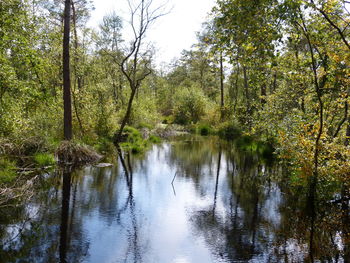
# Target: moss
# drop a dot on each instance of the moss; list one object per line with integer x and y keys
{"x": 44, "y": 159}
{"x": 7, "y": 171}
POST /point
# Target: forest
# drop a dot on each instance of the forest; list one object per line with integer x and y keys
{"x": 271, "y": 75}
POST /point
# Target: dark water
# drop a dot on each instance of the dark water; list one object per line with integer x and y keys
{"x": 189, "y": 201}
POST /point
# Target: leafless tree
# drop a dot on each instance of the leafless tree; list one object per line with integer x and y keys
{"x": 136, "y": 65}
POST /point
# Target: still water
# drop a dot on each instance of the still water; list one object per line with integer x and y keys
{"x": 195, "y": 200}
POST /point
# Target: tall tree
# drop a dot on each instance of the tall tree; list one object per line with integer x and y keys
{"x": 67, "y": 101}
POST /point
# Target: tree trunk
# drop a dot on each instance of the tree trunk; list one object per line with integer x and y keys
{"x": 263, "y": 94}
{"x": 127, "y": 116}
{"x": 67, "y": 101}
{"x": 246, "y": 88}
{"x": 78, "y": 78}
{"x": 347, "y": 138}
{"x": 222, "y": 85}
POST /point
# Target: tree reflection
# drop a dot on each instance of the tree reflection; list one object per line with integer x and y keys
{"x": 65, "y": 216}
{"x": 134, "y": 249}
{"x": 301, "y": 228}
{"x": 49, "y": 234}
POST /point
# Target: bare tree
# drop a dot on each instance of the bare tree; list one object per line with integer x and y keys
{"x": 135, "y": 66}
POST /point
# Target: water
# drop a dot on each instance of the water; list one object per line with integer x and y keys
{"x": 196, "y": 200}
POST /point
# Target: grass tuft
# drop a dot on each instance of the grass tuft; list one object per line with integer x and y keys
{"x": 7, "y": 171}
{"x": 71, "y": 153}
{"x": 44, "y": 159}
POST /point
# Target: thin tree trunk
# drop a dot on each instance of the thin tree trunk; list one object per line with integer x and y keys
{"x": 127, "y": 116}
{"x": 274, "y": 83}
{"x": 347, "y": 139}
{"x": 222, "y": 84}
{"x": 67, "y": 101}
{"x": 246, "y": 88}
{"x": 78, "y": 78}
{"x": 263, "y": 94}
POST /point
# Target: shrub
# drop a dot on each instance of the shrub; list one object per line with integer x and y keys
{"x": 104, "y": 145}
{"x": 190, "y": 107}
{"x": 204, "y": 129}
{"x": 229, "y": 131}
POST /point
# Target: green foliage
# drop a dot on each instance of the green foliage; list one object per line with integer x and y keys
{"x": 154, "y": 139}
{"x": 204, "y": 129}
{"x": 229, "y": 131}
{"x": 44, "y": 159}
{"x": 190, "y": 106}
{"x": 7, "y": 171}
{"x": 144, "y": 112}
{"x": 143, "y": 125}
{"x": 104, "y": 145}
{"x": 168, "y": 119}
{"x": 270, "y": 90}
{"x": 133, "y": 141}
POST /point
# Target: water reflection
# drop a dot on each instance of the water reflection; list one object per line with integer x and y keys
{"x": 196, "y": 200}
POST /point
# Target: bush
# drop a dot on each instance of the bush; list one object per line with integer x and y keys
{"x": 204, "y": 129}
{"x": 144, "y": 113}
{"x": 229, "y": 131}
{"x": 44, "y": 159}
{"x": 104, "y": 145}
{"x": 246, "y": 143}
{"x": 190, "y": 107}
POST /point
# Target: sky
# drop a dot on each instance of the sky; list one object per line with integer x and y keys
{"x": 171, "y": 33}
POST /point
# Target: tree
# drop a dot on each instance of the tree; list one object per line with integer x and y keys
{"x": 136, "y": 65}
{"x": 67, "y": 101}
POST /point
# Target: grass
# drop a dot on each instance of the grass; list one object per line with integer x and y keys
{"x": 7, "y": 171}
{"x": 133, "y": 140}
{"x": 44, "y": 159}
{"x": 72, "y": 153}
{"x": 154, "y": 139}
